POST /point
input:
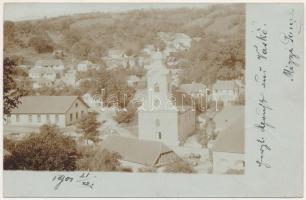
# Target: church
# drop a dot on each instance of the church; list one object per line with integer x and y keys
{"x": 159, "y": 118}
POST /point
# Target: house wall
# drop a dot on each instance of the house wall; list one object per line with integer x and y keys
{"x": 82, "y": 67}
{"x": 50, "y": 76}
{"x": 75, "y": 111}
{"x": 223, "y": 161}
{"x": 24, "y": 119}
{"x": 149, "y": 128}
{"x": 34, "y": 74}
{"x": 225, "y": 95}
{"x": 186, "y": 123}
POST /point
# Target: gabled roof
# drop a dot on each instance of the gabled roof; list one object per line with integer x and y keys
{"x": 144, "y": 152}
{"x": 224, "y": 85}
{"x": 49, "y": 62}
{"x": 45, "y": 104}
{"x": 231, "y": 139}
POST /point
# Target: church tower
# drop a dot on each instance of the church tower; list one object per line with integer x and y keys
{"x": 158, "y": 85}
{"x": 158, "y": 117}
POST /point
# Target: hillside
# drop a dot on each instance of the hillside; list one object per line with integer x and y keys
{"x": 89, "y": 36}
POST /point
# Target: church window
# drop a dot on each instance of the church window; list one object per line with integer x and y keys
{"x": 156, "y": 87}
{"x": 157, "y": 122}
{"x": 159, "y": 135}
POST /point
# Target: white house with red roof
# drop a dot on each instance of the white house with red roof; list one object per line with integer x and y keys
{"x": 40, "y": 110}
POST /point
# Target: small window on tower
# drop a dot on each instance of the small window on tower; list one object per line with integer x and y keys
{"x": 159, "y": 135}
{"x": 156, "y": 87}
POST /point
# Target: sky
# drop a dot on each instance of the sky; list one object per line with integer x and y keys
{"x": 28, "y": 11}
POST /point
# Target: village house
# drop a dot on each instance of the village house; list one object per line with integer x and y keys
{"x": 225, "y": 91}
{"x": 69, "y": 77}
{"x": 84, "y": 66}
{"x": 158, "y": 118}
{"x": 56, "y": 64}
{"x": 228, "y": 149}
{"x": 38, "y": 110}
{"x": 175, "y": 42}
{"x": 133, "y": 80}
{"x": 45, "y": 73}
{"x": 137, "y": 153}
{"x": 41, "y": 82}
{"x": 196, "y": 90}
{"x": 115, "y": 58}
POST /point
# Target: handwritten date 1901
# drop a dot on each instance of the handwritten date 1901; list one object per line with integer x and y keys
{"x": 84, "y": 179}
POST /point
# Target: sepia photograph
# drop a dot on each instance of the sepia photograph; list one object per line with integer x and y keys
{"x": 142, "y": 89}
{"x": 139, "y": 88}
{"x": 152, "y": 99}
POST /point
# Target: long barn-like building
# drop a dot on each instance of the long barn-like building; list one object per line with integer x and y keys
{"x": 39, "y": 110}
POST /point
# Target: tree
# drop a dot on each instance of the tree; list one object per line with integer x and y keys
{"x": 203, "y": 138}
{"x": 89, "y": 127}
{"x": 125, "y": 115}
{"x": 207, "y": 133}
{"x": 41, "y": 45}
{"x": 47, "y": 150}
{"x": 11, "y": 93}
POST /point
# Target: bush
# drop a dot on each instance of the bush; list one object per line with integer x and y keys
{"x": 180, "y": 166}
{"x": 41, "y": 45}
{"x": 48, "y": 150}
{"x": 97, "y": 159}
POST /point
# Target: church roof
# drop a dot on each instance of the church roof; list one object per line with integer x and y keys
{"x": 144, "y": 152}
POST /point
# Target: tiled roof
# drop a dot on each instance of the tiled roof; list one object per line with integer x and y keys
{"x": 45, "y": 104}
{"x": 231, "y": 139}
{"x": 144, "y": 152}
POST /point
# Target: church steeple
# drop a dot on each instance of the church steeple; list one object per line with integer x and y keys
{"x": 159, "y": 88}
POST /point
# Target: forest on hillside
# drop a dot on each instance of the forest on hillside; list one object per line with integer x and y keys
{"x": 218, "y": 55}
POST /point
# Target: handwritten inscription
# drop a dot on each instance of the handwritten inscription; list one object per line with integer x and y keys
{"x": 263, "y": 147}
{"x": 85, "y": 179}
{"x": 261, "y": 78}
{"x": 288, "y": 39}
